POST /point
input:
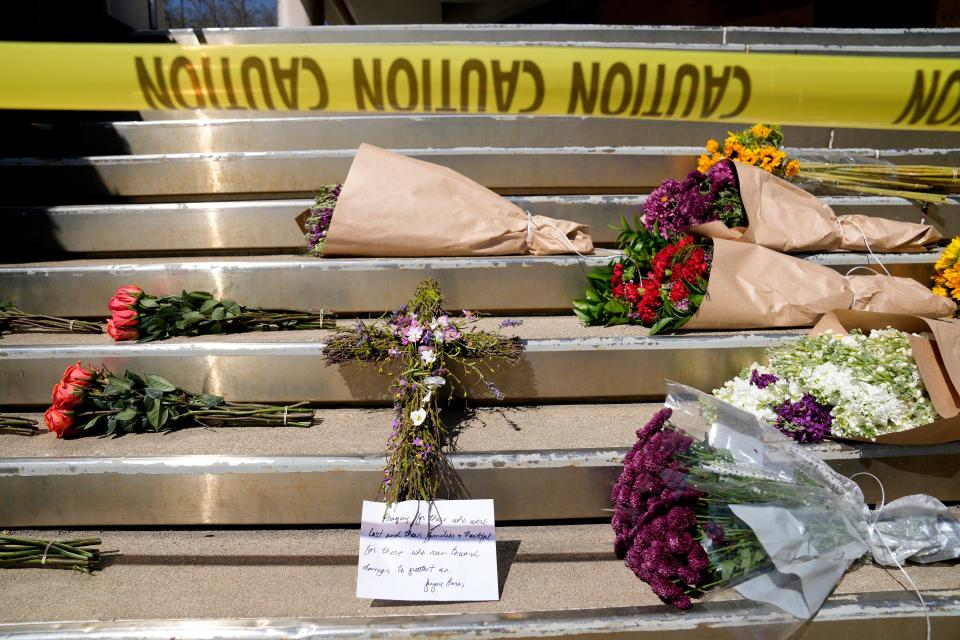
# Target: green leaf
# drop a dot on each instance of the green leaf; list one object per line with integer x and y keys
{"x": 159, "y": 383}
{"x": 191, "y": 317}
{"x": 147, "y": 302}
{"x": 613, "y": 306}
{"x": 218, "y": 314}
{"x": 208, "y": 306}
{"x": 153, "y": 412}
{"x": 126, "y": 415}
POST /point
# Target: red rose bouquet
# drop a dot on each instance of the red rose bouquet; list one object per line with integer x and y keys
{"x": 95, "y": 401}
{"x": 139, "y": 316}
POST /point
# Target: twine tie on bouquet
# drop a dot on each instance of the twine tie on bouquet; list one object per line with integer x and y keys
{"x": 46, "y": 550}
{"x": 866, "y": 244}
{"x": 853, "y": 293}
{"x": 871, "y": 526}
{"x": 560, "y": 234}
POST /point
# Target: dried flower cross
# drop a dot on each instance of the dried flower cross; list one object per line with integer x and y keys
{"x": 416, "y": 344}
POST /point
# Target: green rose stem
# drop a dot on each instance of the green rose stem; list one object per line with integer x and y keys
{"x": 16, "y": 551}
{"x": 17, "y": 426}
{"x": 14, "y": 320}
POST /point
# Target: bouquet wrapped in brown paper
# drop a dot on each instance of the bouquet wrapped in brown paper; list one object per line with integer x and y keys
{"x": 737, "y": 201}
{"x": 869, "y": 377}
{"x": 394, "y": 206}
{"x": 724, "y": 284}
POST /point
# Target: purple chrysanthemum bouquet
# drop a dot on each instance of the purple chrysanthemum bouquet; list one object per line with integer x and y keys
{"x": 711, "y": 498}
{"x": 318, "y": 218}
{"x": 673, "y": 207}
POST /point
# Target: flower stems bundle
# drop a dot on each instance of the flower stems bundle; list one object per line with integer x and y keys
{"x": 854, "y": 386}
{"x": 79, "y": 555}
{"x": 139, "y": 316}
{"x": 318, "y": 218}
{"x": 15, "y": 320}
{"x": 90, "y": 401}
{"x": 761, "y": 146}
{"x": 418, "y": 342}
{"x": 17, "y": 426}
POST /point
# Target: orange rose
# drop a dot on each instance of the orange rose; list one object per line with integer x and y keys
{"x": 78, "y": 376}
{"x": 120, "y": 333}
{"x": 125, "y": 298}
{"x": 60, "y": 421}
{"x": 67, "y": 396}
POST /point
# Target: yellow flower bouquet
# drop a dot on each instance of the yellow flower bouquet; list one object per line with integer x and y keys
{"x": 946, "y": 277}
{"x": 762, "y": 146}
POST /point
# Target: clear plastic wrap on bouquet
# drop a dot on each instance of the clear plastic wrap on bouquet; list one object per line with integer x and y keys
{"x": 777, "y": 524}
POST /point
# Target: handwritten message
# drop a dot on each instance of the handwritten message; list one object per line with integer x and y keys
{"x": 440, "y": 551}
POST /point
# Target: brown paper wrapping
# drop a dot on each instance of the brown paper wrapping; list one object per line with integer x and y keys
{"x": 784, "y": 217}
{"x": 394, "y": 206}
{"x": 937, "y": 354}
{"x": 752, "y": 287}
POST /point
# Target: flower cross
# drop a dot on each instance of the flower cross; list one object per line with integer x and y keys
{"x": 416, "y": 344}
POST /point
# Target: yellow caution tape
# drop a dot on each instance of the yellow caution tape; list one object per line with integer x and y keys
{"x": 850, "y": 91}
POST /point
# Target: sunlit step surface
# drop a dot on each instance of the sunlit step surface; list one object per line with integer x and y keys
{"x": 509, "y": 284}
{"x": 555, "y": 580}
{"x": 268, "y": 225}
{"x": 278, "y": 131}
{"x": 251, "y": 475}
{"x": 522, "y": 170}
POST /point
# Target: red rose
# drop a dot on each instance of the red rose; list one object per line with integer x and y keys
{"x": 67, "y": 396}
{"x": 120, "y": 334}
{"x": 60, "y": 421}
{"x": 125, "y": 298}
{"x": 125, "y": 319}
{"x": 78, "y": 376}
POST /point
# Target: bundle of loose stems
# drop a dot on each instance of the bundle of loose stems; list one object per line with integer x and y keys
{"x": 15, "y": 320}
{"x": 79, "y": 555}
{"x": 924, "y": 183}
{"x": 18, "y": 426}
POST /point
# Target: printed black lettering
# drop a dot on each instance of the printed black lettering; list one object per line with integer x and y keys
{"x": 181, "y": 63}
{"x": 579, "y": 93}
{"x": 247, "y": 68}
{"x": 208, "y": 82}
{"x": 427, "y": 89}
{"x": 228, "y": 83}
{"x": 654, "y": 109}
{"x": 286, "y": 81}
{"x": 685, "y": 71}
{"x": 617, "y": 70}
{"x": 402, "y": 64}
{"x": 935, "y": 117}
{"x": 641, "y": 89}
{"x": 739, "y": 73}
{"x": 323, "y": 95}
{"x": 505, "y": 84}
{"x": 534, "y": 72}
{"x": 153, "y": 88}
{"x": 445, "y": 87}
{"x": 473, "y": 66}
{"x": 364, "y": 89}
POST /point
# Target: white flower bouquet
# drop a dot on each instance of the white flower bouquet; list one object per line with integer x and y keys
{"x": 858, "y": 376}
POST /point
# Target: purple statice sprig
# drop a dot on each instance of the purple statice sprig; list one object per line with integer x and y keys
{"x": 510, "y": 322}
{"x": 762, "y": 380}
{"x": 318, "y": 220}
{"x": 805, "y": 420}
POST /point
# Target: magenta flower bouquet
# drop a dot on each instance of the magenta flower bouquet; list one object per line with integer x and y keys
{"x": 710, "y": 497}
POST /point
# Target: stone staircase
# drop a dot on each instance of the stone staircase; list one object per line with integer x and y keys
{"x": 251, "y": 533}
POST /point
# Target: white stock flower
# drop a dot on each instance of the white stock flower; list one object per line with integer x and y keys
{"x": 434, "y": 381}
{"x": 428, "y": 356}
{"x": 418, "y": 416}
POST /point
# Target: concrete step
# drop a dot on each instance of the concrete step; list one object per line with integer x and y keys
{"x": 555, "y": 580}
{"x": 266, "y": 226}
{"x": 587, "y": 34}
{"x": 563, "y": 362}
{"x": 296, "y": 132}
{"x": 260, "y": 476}
{"x": 510, "y": 284}
{"x": 520, "y": 170}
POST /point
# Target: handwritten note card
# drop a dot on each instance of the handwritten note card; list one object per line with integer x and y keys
{"x": 440, "y": 551}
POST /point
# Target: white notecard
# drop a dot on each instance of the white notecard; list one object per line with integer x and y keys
{"x": 451, "y": 557}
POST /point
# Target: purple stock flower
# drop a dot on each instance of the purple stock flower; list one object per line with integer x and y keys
{"x": 509, "y": 322}
{"x": 495, "y": 391}
{"x": 805, "y": 421}
{"x": 417, "y": 442}
{"x": 762, "y": 380}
